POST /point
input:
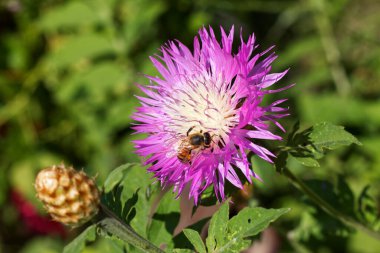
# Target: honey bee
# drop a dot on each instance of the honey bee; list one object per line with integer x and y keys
{"x": 191, "y": 142}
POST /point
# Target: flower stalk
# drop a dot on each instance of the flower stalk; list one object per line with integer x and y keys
{"x": 326, "y": 206}
{"x": 114, "y": 225}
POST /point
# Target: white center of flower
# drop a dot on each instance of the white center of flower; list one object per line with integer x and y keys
{"x": 205, "y": 104}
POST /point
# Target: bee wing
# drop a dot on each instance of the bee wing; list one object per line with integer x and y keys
{"x": 173, "y": 146}
{"x": 171, "y": 153}
{"x": 177, "y": 146}
{"x": 195, "y": 153}
{"x": 185, "y": 144}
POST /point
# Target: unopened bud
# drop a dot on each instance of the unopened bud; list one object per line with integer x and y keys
{"x": 69, "y": 196}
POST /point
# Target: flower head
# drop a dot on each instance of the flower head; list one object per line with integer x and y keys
{"x": 69, "y": 196}
{"x": 204, "y": 113}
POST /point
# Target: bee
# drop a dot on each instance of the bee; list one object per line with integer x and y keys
{"x": 191, "y": 142}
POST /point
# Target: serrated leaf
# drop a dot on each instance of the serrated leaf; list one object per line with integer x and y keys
{"x": 328, "y": 136}
{"x": 195, "y": 239}
{"x": 218, "y": 227}
{"x": 116, "y": 176}
{"x": 251, "y": 221}
{"x": 247, "y": 223}
{"x": 79, "y": 243}
{"x": 308, "y": 145}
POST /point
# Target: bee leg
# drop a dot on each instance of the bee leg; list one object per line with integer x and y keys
{"x": 212, "y": 138}
{"x": 214, "y": 135}
{"x": 190, "y": 129}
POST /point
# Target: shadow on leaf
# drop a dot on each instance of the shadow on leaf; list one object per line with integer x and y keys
{"x": 113, "y": 200}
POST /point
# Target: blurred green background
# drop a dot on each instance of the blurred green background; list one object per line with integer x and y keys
{"x": 68, "y": 71}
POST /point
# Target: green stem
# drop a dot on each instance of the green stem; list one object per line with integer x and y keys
{"x": 114, "y": 225}
{"x": 326, "y": 206}
{"x": 331, "y": 49}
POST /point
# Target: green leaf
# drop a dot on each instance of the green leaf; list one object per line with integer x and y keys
{"x": 125, "y": 210}
{"x": 340, "y": 197}
{"x": 79, "y": 243}
{"x": 306, "y": 161}
{"x": 299, "y": 49}
{"x": 72, "y": 14}
{"x": 309, "y": 145}
{"x": 335, "y": 109}
{"x": 208, "y": 198}
{"x": 165, "y": 221}
{"x": 308, "y": 228}
{"x": 328, "y": 136}
{"x": 130, "y": 196}
{"x": 218, "y": 227}
{"x": 138, "y": 178}
{"x": 81, "y": 84}
{"x": 280, "y": 162}
{"x": 367, "y": 207}
{"x": 119, "y": 115}
{"x": 46, "y": 244}
{"x": 251, "y": 221}
{"x": 232, "y": 235}
{"x": 115, "y": 177}
{"x": 73, "y": 49}
{"x": 140, "y": 19}
{"x": 195, "y": 239}
{"x": 180, "y": 251}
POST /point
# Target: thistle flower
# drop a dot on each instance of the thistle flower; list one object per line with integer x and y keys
{"x": 203, "y": 114}
{"x": 69, "y": 196}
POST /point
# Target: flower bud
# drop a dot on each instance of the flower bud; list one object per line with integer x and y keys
{"x": 69, "y": 196}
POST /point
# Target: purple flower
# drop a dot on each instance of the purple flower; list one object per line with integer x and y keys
{"x": 203, "y": 114}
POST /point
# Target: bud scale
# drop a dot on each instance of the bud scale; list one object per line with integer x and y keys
{"x": 69, "y": 196}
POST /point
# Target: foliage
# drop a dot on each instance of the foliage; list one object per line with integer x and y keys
{"x": 67, "y": 75}
{"x": 231, "y": 235}
{"x": 224, "y": 235}
{"x": 78, "y": 244}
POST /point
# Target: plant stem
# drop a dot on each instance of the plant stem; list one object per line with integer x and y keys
{"x": 326, "y": 206}
{"x": 114, "y": 225}
{"x": 331, "y": 49}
